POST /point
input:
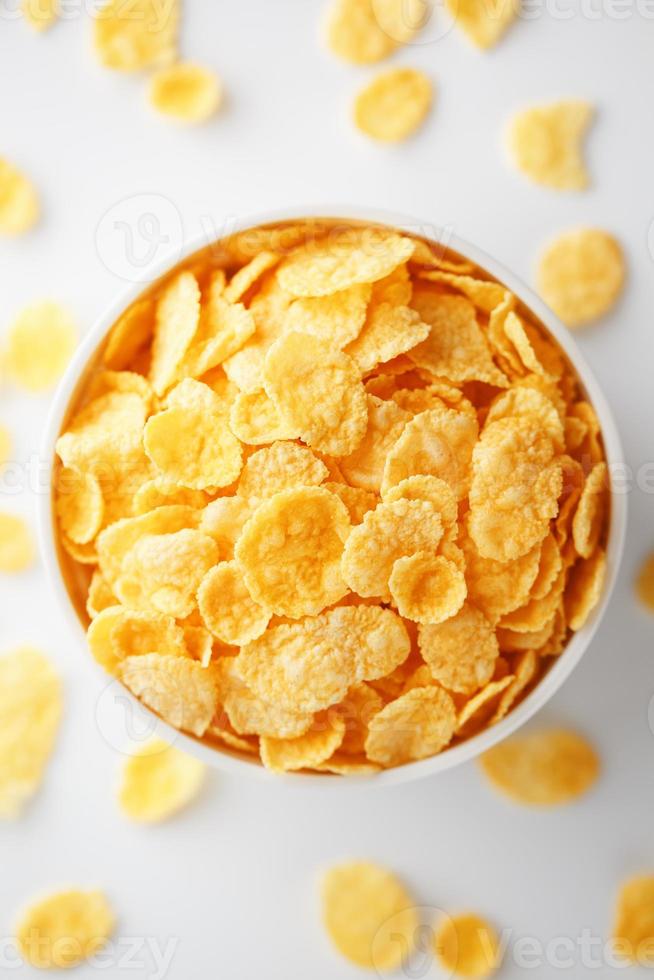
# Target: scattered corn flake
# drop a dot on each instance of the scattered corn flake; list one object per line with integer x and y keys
{"x": 177, "y": 319}
{"x": 438, "y": 442}
{"x": 16, "y": 544}
{"x": 308, "y": 750}
{"x": 227, "y": 607}
{"x": 248, "y": 714}
{"x": 282, "y": 466}
{"x": 581, "y": 274}
{"x": 467, "y": 946}
{"x": 158, "y": 781}
{"x": 462, "y": 651}
{"x": 388, "y": 332}
{"x": 40, "y": 343}
{"x": 290, "y": 551}
{"x": 366, "y": 31}
{"x": 80, "y": 505}
{"x": 343, "y": 259}
{"x": 141, "y": 35}
{"x": 30, "y": 708}
{"x": 584, "y": 589}
{"x": 40, "y": 14}
{"x": 19, "y": 202}
{"x": 645, "y": 583}
{"x": 337, "y": 318}
{"x": 427, "y": 588}
{"x": 369, "y": 916}
{"x": 192, "y": 448}
{"x": 414, "y": 726}
{"x": 364, "y": 467}
{"x": 394, "y": 104}
{"x": 389, "y": 532}
{"x": 163, "y": 572}
{"x": 179, "y": 689}
{"x": 590, "y": 515}
{"x": 633, "y": 930}
{"x": 515, "y": 488}
{"x": 318, "y": 392}
{"x": 186, "y": 92}
{"x": 546, "y": 143}
{"x": 542, "y": 768}
{"x": 456, "y": 347}
{"x": 484, "y": 23}
{"x": 65, "y": 928}
{"x": 255, "y": 420}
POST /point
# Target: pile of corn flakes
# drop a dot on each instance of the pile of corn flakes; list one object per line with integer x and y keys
{"x": 338, "y": 500}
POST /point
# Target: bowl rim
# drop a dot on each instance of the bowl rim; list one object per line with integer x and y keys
{"x": 560, "y": 670}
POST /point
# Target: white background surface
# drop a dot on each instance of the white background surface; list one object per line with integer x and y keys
{"x": 232, "y": 881}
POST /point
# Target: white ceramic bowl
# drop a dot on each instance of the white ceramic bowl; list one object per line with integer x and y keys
{"x": 559, "y": 671}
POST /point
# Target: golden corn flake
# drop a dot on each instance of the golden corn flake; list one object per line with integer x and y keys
{"x": 478, "y": 710}
{"x": 65, "y": 928}
{"x": 456, "y": 347}
{"x": 380, "y": 638}
{"x": 192, "y": 448}
{"x": 337, "y": 318}
{"x": 40, "y": 343}
{"x": 40, "y": 14}
{"x": 482, "y": 22}
{"x": 116, "y": 541}
{"x": 341, "y": 260}
{"x": 515, "y": 488}
{"x": 389, "y": 532}
{"x": 177, "y": 319}
{"x": 307, "y": 751}
{"x": 345, "y": 765}
{"x": 105, "y": 434}
{"x": 467, "y": 946}
{"x": 438, "y": 442}
{"x": 438, "y": 493}
{"x": 280, "y": 467}
{"x": 157, "y": 493}
{"x": 100, "y": 596}
{"x": 318, "y": 392}
{"x": 357, "y": 710}
{"x": 364, "y": 467}
{"x": 394, "y": 104}
{"x": 30, "y": 708}
{"x": 645, "y": 583}
{"x": 223, "y": 520}
{"x": 255, "y": 420}
{"x": 223, "y": 329}
{"x": 585, "y": 589}
{"x": 80, "y": 505}
{"x": 523, "y": 401}
{"x": 249, "y": 714}
{"x": 369, "y": 916}
{"x": 227, "y": 607}
{"x": 581, "y": 275}
{"x": 388, "y": 332}
{"x": 589, "y": 519}
{"x": 495, "y": 587}
{"x": 427, "y": 588}
{"x": 290, "y": 551}
{"x": 117, "y": 633}
{"x": 16, "y": 544}
{"x": 366, "y": 31}
{"x": 357, "y": 501}
{"x": 186, "y": 92}
{"x": 158, "y": 781}
{"x": 163, "y": 572}
{"x": 141, "y": 35}
{"x": 542, "y": 768}
{"x": 179, "y": 689}
{"x": 462, "y": 651}
{"x": 633, "y": 930}
{"x": 19, "y": 202}
{"x": 546, "y": 143}
{"x": 525, "y": 667}
{"x": 414, "y": 726}
{"x": 537, "y": 612}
